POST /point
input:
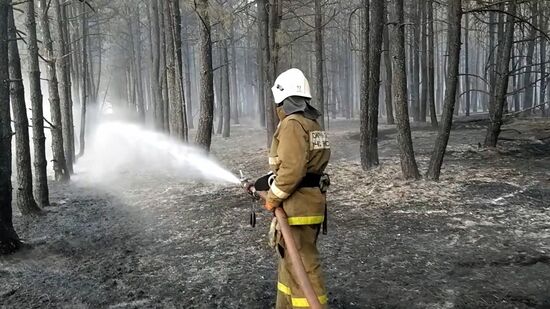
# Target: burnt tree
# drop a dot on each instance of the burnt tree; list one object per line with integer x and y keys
{"x": 454, "y": 17}
{"x": 9, "y": 241}
{"x": 206, "y": 118}
{"x": 41, "y": 192}
{"x": 319, "y": 63}
{"x": 498, "y": 93}
{"x": 399, "y": 81}
{"x": 24, "y": 195}
{"x": 60, "y": 169}
{"x": 64, "y": 84}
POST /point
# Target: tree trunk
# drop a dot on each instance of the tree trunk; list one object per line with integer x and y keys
{"x": 61, "y": 171}
{"x": 173, "y": 70}
{"x": 271, "y": 18}
{"x": 364, "y": 94}
{"x": 64, "y": 86}
{"x": 415, "y": 68}
{"x": 424, "y": 63}
{"x": 84, "y": 82}
{"x": 235, "y": 110}
{"x": 375, "y": 46}
{"x": 543, "y": 24}
{"x": 225, "y": 93}
{"x": 375, "y": 55}
{"x": 319, "y": 63}
{"x": 163, "y": 67}
{"x": 155, "y": 69}
{"x": 397, "y": 49}
{"x": 179, "y": 68}
{"x": 263, "y": 41}
{"x": 527, "y": 83}
{"x": 204, "y": 132}
{"x": 74, "y": 36}
{"x": 387, "y": 66}
{"x": 498, "y": 97}
{"x": 188, "y": 96}
{"x": 219, "y": 93}
{"x": 39, "y": 140}
{"x": 135, "y": 33}
{"x": 453, "y": 42}
{"x": 68, "y": 109}
{"x": 467, "y": 94}
{"x": 431, "y": 60}
{"x": 174, "y": 113}
{"x": 9, "y": 241}
{"x": 492, "y": 55}
{"x": 24, "y": 195}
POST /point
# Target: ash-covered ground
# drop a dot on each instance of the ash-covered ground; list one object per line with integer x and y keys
{"x": 479, "y": 238}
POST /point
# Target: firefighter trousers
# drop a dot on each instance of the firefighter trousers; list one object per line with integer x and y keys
{"x": 289, "y": 293}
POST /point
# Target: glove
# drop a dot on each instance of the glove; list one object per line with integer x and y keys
{"x": 269, "y": 206}
{"x": 273, "y": 235}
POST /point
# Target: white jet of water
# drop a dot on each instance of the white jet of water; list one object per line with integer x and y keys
{"x": 120, "y": 149}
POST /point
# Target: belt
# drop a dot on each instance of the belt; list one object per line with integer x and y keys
{"x": 311, "y": 180}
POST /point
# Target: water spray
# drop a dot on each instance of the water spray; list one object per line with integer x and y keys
{"x": 117, "y": 147}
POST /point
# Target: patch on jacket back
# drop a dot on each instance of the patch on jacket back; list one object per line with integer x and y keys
{"x": 318, "y": 140}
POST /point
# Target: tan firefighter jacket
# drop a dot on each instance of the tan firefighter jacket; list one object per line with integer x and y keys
{"x": 299, "y": 146}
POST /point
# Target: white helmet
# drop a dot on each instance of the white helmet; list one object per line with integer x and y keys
{"x": 290, "y": 83}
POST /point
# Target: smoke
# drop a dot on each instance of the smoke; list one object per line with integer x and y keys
{"x": 118, "y": 150}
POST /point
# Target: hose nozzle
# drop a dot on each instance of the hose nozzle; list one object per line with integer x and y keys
{"x": 247, "y": 185}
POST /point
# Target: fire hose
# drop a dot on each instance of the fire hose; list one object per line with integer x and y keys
{"x": 290, "y": 246}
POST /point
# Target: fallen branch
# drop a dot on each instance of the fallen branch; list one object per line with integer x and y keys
{"x": 523, "y": 111}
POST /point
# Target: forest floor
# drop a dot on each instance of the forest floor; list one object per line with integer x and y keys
{"x": 479, "y": 238}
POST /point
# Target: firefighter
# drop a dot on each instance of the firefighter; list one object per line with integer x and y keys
{"x": 299, "y": 154}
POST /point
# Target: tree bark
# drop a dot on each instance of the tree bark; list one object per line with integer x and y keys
{"x": 498, "y": 97}
{"x": 9, "y": 241}
{"x": 364, "y": 94}
{"x": 179, "y": 68}
{"x": 163, "y": 67}
{"x": 263, "y": 42}
{"x": 424, "y": 63}
{"x": 39, "y": 140}
{"x": 225, "y": 93}
{"x": 415, "y": 62}
{"x": 135, "y": 33}
{"x": 397, "y": 49}
{"x": 387, "y": 66}
{"x": 527, "y": 76}
{"x": 271, "y": 18}
{"x": 24, "y": 195}
{"x": 155, "y": 69}
{"x": 491, "y": 62}
{"x": 61, "y": 171}
{"x": 543, "y": 24}
{"x": 467, "y": 93}
{"x": 319, "y": 63}
{"x": 188, "y": 96}
{"x": 174, "y": 113}
{"x": 218, "y": 93}
{"x": 375, "y": 46}
{"x": 375, "y": 54}
{"x": 68, "y": 109}
{"x": 173, "y": 71}
{"x": 204, "y": 131}
{"x": 235, "y": 102}
{"x": 64, "y": 86}
{"x": 454, "y": 16}
{"x": 431, "y": 60}
{"x": 84, "y": 79}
